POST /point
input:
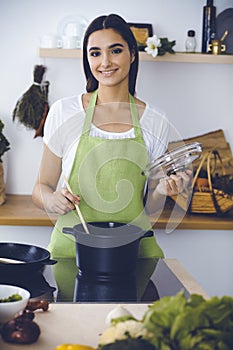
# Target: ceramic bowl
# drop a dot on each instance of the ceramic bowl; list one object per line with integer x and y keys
{"x": 8, "y": 310}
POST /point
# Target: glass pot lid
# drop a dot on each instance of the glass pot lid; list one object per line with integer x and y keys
{"x": 175, "y": 160}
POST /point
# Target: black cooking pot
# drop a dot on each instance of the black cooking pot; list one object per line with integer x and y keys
{"x": 109, "y": 251}
{"x": 33, "y": 258}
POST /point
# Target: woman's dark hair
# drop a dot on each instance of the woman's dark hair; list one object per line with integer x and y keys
{"x": 118, "y": 24}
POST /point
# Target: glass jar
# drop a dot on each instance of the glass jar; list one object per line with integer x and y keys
{"x": 190, "y": 43}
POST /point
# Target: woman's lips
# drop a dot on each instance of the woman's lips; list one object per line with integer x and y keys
{"x": 108, "y": 73}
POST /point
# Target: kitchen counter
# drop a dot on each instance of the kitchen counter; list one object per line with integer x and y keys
{"x": 19, "y": 210}
{"x": 72, "y": 323}
{"x": 83, "y": 322}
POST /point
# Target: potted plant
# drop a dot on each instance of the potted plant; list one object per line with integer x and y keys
{"x": 4, "y": 146}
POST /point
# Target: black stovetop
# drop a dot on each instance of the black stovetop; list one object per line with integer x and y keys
{"x": 62, "y": 283}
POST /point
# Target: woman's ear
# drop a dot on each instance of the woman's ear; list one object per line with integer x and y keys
{"x": 132, "y": 56}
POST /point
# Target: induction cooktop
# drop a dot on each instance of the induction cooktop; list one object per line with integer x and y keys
{"x": 62, "y": 283}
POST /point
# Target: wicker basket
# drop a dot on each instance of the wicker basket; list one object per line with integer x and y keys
{"x": 206, "y": 199}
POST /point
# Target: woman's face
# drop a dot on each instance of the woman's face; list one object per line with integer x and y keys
{"x": 109, "y": 57}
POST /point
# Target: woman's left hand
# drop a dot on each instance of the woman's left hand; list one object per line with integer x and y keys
{"x": 175, "y": 183}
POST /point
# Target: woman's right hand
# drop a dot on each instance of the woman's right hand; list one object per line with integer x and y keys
{"x": 61, "y": 201}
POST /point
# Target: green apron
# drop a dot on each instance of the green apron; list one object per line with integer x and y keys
{"x": 106, "y": 173}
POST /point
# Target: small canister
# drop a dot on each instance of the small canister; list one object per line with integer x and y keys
{"x": 216, "y": 47}
{"x": 190, "y": 42}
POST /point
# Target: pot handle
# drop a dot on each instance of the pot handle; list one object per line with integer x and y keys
{"x": 49, "y": 262}
{"x": 148, "y": 234}
{"x": 68, "y": 230}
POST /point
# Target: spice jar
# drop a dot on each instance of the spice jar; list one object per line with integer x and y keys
{"x": 190, "y": 43}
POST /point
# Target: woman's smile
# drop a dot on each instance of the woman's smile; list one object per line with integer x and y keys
{"x": 108, "y": 73}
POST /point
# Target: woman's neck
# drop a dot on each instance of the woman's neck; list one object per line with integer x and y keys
{"x": 107, "y": 95}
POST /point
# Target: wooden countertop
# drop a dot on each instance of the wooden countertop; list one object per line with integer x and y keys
{"x": 19, "y": 210}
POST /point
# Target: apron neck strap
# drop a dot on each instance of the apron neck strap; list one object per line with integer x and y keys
{"x": 91, "y": 108}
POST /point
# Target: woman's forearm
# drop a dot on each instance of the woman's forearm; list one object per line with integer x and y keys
{"x": 41, "y": 196}
{"x": 155, "y": 202}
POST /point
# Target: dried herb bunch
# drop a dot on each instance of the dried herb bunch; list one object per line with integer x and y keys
{"x": 4, "y": 143}
{"x": 32, "y": 108}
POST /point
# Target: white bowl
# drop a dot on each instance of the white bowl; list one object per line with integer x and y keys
{"x": 9, "y": 310}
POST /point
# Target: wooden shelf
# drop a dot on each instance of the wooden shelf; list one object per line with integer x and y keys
{"x": 60, "y": 53}
{"x": 19, "y": 210}
{"x": 178, "y": 57}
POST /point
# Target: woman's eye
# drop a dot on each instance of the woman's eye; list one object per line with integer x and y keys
{"x": 95, "y": 53}
{"x": 116, "y": 51}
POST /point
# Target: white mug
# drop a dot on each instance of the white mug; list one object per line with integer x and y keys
{"x": 70, "y": 42}
{"x": 50, "y": 42}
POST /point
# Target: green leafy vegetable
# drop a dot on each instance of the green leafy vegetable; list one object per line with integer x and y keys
{"x": 160, "y": 317}
{"x": 11, "y": 298}
{"x": 208, "y": 325}
{"x": 124, "y": 318}
{"x": 193, "y": 324}
{"x": 176, "y": 323}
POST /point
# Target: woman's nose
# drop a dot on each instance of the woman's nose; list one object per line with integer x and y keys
{"x": 106, "y": 62}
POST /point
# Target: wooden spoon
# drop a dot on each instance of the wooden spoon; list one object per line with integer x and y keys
{"x": 76, "y": 207}
{"x": 11, "y": 261}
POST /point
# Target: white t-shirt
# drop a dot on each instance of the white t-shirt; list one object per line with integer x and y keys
{"x": 64, "y": 123}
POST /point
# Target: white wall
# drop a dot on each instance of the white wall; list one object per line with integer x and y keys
{"x": 196, "y": 97}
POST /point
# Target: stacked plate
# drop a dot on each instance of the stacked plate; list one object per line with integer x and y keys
{"x": 71, "y": 29}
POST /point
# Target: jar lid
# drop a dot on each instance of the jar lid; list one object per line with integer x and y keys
{"x": 175, "y": 160}
{"x": 191, "y": 32}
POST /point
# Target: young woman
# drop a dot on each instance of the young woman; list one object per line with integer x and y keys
{"x": 101, "y": 140}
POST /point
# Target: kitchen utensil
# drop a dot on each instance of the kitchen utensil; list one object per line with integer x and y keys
{"x": 76, "y": 206}
{"x": 31, "y": 258}
{"x": 224, "y": 35}
{"x": 175, "y": 160}
{"x": 10, "y": 261}
{"x": 111, "y": 249}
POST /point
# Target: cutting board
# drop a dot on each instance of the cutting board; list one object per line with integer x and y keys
{"x": 72, "y": 323}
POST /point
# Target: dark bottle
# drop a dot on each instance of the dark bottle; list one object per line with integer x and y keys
{"x": 209, "y": 25}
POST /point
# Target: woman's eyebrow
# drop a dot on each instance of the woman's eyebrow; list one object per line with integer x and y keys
{"x": 116, "y": 44}
{"x": 110, "y": 47}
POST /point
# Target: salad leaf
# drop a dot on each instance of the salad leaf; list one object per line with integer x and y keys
{"x": 207, "y": 325}
{"x": 158, "y": 319}
{"x": 11, "y": 298}
{"x": 193, "y": 324}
